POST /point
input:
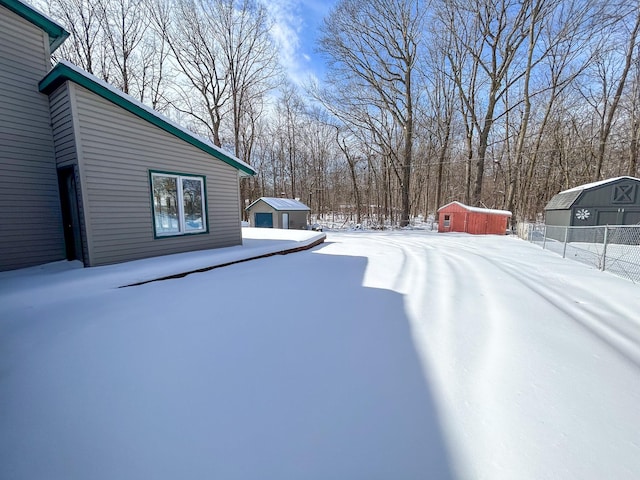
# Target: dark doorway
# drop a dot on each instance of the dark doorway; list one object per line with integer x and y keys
{"x": 70, "y": 213}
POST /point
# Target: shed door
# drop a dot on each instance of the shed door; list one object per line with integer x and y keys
{"x": 285, "y": 220}
{"x": 610, "y": 217}
{"x": 631, "y": 218}
{"x": 447, "y": 223}
{"x": 264, "y": 220}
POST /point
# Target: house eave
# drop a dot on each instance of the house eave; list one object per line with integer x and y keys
{"x": 65, "y": 71}
{"x": 57, "y": 34}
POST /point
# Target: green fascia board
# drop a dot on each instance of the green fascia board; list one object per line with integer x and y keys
{"x": 56, "y": 33}
{"x": 64, "y": 71}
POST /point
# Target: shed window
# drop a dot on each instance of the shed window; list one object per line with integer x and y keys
{"x": 447, "y": 220}
{"x": 178, "y": 204}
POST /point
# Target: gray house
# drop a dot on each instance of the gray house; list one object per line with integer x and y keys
{"x": 272, "y": 212}
{"x": 89, "y": 173}
{"x": 615, "y": 201}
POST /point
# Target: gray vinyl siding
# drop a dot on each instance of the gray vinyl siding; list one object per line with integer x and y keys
{"x": 65, "y": 143}
{"x": 116, "y": 151}
{"x": 31, "y": 228}
{"x": 62, "y": 124}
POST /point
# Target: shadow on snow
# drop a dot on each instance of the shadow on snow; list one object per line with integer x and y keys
{"x": 282, "y": 368}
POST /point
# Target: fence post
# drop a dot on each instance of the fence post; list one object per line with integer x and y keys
{"x": 566, "y": 237}
{"x": 604, "y": 249}
{"x": 544, "y": 239}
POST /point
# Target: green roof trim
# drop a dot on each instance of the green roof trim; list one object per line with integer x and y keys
{"x": 56, "y": 33}
{"x": 64, "y": 71}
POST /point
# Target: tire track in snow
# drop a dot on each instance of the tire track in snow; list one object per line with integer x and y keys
{"x": 623, "y": 321}
{"x": 623, "y": 338}
{"x": 520, "y": 386}
{"x": 491, "y": 383}
{"x": 465, "y": 332}
{"x": 426, "y": 257}
{"x": 615, "y": 334}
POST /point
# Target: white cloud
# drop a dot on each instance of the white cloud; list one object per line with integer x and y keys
{"x": 287, "y": 29}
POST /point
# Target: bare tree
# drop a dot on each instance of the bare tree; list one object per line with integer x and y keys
{"x": 192, "y": 33}
{"x": 290, "y": 115}
{"x": 564, "y": 39}
{"x": 224, "y": 55}
{"x": 440, "y": 110}
{"x": 154, "y": 79}
{"x": 111, "y": 39}
{"x": 610, "y": 105}
{"x": 83, "y": 20}
{"x": 634, "y": 119}
{"x": 487, "y": 36}
{"x": 125, "y": 24}
{"x": 374, "y": 44}
{"x": 250, "y": 57}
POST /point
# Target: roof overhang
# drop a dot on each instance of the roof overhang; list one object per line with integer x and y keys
{"x": 65, "y": 71}
{"x": 56, "y": 33}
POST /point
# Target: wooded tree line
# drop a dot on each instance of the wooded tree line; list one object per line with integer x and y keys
{"x": 497, "y": 103}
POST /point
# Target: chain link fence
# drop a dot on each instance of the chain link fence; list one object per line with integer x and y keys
{"x": 615, "y": 249}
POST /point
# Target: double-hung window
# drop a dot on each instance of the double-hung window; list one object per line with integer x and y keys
{"x": 179, "y": 206}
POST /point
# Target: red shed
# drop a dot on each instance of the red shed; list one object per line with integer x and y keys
{"x": 457, "y": 217}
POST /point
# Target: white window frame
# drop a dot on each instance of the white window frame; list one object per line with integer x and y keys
{"x": 182, "y": 227}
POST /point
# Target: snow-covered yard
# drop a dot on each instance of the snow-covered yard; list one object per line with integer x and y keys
{"x": 404, "y": 355}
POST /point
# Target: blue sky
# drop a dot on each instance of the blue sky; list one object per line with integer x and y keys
{"x": 295, "y": 31}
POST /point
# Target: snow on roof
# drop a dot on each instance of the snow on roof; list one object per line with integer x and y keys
{"x": 566, "y": 198}
{"x": 599, "y": 183}
{"x": 282, "y": 203}
{"x": 65, "y": 70}
{"x": 563, "y": 200}
{"x": 478, "y": 209}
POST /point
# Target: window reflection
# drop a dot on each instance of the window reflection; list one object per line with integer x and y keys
{"x": 192, "y": 202}
{"x": 165, "y": 204}
{"x": 178, "y": 204}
